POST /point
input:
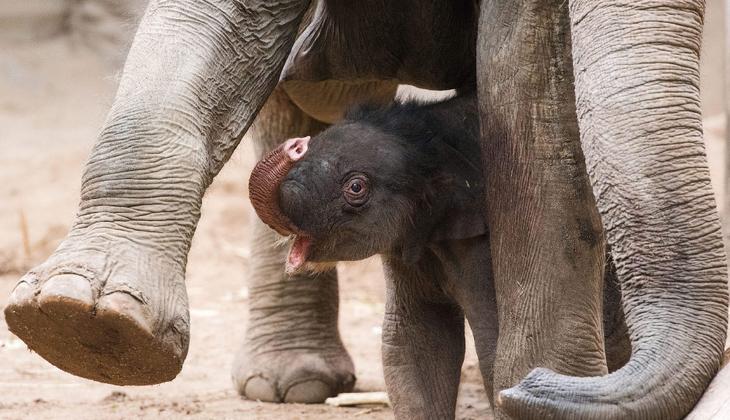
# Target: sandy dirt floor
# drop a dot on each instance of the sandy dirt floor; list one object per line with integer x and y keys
{"x": 53, "y": 100}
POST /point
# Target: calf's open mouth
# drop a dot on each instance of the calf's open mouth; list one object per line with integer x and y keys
{"x": 298, "y": 254}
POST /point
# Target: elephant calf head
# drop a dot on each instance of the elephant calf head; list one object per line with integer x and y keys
{"x": 382, "y": 181}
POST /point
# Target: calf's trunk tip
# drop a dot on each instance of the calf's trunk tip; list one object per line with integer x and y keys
{"x": 266, "y": 178}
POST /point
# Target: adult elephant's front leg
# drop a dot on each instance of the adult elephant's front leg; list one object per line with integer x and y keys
{"x": 110, "y": 303}
{"x": 293, "y": 351}
{"x": 637, "y": 83}
{"x": 546, "y": 235}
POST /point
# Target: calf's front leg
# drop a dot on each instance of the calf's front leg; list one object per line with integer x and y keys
{"x": 423, "y": 345}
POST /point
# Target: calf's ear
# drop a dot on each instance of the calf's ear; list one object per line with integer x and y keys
{"x": 456, "y": 212}
{"x": 462, "y": 218}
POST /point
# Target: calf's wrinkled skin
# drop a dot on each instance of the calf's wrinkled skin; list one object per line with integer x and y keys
{"x": 405, "y": 181}
{"x": 592, "y": 109}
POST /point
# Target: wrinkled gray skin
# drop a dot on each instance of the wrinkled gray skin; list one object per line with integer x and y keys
{"x": 110, "y": 303}
{"x": 418, "y": 201}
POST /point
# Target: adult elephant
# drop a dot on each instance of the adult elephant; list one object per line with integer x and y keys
{"x": 110, "y": 303}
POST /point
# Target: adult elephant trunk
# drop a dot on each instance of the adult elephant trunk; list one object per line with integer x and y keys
{"x": 636, "y": 69}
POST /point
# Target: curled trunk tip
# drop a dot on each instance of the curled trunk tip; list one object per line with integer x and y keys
{"x": 266, "y": 178}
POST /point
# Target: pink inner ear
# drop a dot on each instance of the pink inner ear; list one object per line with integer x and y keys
{"x": 296, "y": 148}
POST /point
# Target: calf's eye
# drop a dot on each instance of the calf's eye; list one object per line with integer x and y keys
{"x": 356, "y": 190}
{"x": 356, "y": 187}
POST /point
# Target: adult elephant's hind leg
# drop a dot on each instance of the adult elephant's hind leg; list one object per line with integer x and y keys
{"x": 293, "y": 351}
{"x": 546, "y": 235}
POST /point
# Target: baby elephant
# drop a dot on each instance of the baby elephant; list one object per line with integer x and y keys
{"x": 405, "y": 182}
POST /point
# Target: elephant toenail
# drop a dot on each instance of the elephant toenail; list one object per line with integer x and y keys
{"x": 22, "y": 293}
{"x": 308, "y": 392}
{"x": 123, "y": 305}
{"x": 67, "y": 287}
{"x": 259, "y": 388}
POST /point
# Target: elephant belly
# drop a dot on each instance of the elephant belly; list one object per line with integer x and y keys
{"x": 430, "y": 44}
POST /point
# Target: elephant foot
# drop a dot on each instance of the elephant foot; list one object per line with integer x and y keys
{"x": 105, "y": 310}
{"x": 293, "y": 376}
{"x": 293, "y": 352}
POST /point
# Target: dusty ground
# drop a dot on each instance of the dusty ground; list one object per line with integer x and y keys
{"x": 53, "y": 99}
